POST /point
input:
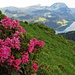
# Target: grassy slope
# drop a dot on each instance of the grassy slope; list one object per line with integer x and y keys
{"x": 58, "y": 54}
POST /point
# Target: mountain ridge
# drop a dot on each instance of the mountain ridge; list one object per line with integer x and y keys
{"x": 56, "y": 15}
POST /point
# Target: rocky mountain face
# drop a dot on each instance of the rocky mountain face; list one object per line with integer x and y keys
{"x": 62, "y": 11}
{"x": 57, "y": 16}
{"x": 73, "y": 10}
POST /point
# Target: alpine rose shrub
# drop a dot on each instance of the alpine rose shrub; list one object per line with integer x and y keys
{"x": 13, "y": 54}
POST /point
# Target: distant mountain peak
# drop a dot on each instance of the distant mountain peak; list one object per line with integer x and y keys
{"x": 59, "y": 5}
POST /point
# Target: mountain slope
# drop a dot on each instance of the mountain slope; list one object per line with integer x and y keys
{"x": 73, "y": 10}
{"x": 58, "y": 55}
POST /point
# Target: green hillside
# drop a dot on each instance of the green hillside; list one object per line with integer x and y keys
{"x": 58, "y": 55}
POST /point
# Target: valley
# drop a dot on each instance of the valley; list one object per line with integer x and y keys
{"x": 70, "y": 27}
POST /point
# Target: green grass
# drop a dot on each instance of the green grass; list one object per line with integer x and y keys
{"x": 58, "y": 55}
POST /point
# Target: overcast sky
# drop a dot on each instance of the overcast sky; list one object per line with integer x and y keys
{"x": 25, "y": 3}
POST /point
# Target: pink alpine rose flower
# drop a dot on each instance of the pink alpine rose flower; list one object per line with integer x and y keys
{"x": 34, "y": 67}
{"x": 31, "y": 46}
{"x": 15, "y": 43}
{"x": 25, "y": 58}
{"x": 15, "y": 23}
{"x": 16, "y": 64}
{"x": 10, "y": 60}
{"x": 16, "y": 34}
{"x": 5, "y": 52}
{"x": 2, "y": 43}
{"x": 41, "y": 43}
{"x": 8, "y": 42}
{"x": 6, "y": 22}
{"x": 21, "y": 29}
